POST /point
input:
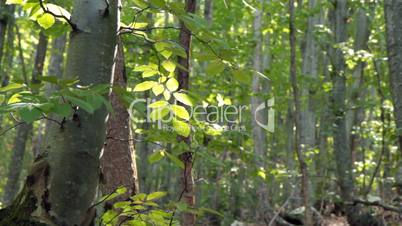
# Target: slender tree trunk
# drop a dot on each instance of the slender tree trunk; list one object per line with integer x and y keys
{"x": 118, "y": 165}
{"x": 322, "y": 159}
{"x": 341, "y": 147}
{"x": 310, "y": 72}
{"x": 356, "y": 116}
{"x": 259, "y": 134}
{"x": 208, "y": 9}
{"x": 393, "y": 13}
{"x": 23, "y": 132}
{"x": 308, "y": 219}
{"x": 308, "y": 117}
{"x": 7, "y": 64}
{"x": 4, "y": 17}
{"x": 14, "y": 170}
{"x": 63, "y": 182}
{"x": 184, "y": 80}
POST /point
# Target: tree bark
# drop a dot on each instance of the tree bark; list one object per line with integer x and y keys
{"x": 208, "y": 9}
{"x": 393, "y": 13}
{"x": 259, "y": 134}
{"x": 118, "y": 166}
{"x": 184, "y": 80}
{"x": 308, "y": 218}
{"x": 310, "y": 72}
{"x": 4, "y": 17}
{"x": 356, "y": 116}
{"x": 341, "y": 147}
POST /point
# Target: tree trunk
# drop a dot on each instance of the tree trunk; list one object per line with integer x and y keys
{"x": 4, "y": 17}
{"x": 308, "y": 218}
{"x": 23, "y": 132}
{"x": 118, "y": 164}
{"x": 7, "y": 64}
{"x": 356, "y": 116}
{"x": 63, "y": 182}
{"x": 259, "y": 134}
{"x": 208, "y": 9}
{"x": 341, "y": 147}
{"x": 393, "y": 13}
{"x": 310, "y": 72}
{"x": 183, "y": 78}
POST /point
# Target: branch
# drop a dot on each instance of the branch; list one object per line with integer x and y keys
{"x": 377, "y": 203}
{"x": 68, "y": 20}
{"x": 129, "y": 30}
{"x": 12, "y": 127}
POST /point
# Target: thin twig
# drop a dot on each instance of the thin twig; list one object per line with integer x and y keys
{"x": 282, "y": 207}
{"x": 12, "y": 127}
{"x": 128, "y": 30}
{"x": 68, "y": 20}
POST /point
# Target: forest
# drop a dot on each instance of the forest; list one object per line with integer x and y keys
{"x": 200, "y": 112}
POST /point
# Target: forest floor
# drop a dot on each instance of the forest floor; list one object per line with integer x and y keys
{"x": 335, "y": 221}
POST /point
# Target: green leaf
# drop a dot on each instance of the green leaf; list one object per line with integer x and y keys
{"x": 175, "y": 160}
{"x": 63, "y": 110}
{"x": 166, "y": 53}
{"x": 180, "y": 111}
{"x": 261, "y": 173}
{"x": 242, "y": 75}
{"x": 136, "y": 223}
{"x": 182, "y": 128}
{"x": 158, "y": 104}
{"x": 158, "y": 3}
{"x": 140, "y": 3}
{"x": 149, "y": 73}
{"x": 144, "y": 86}
{"x": 16, "y": 98}
{"x": 215, "y": 67}
{"x": 121, "y": 190}
{"x": 30, "y": 114}
{"x": 122, "y": 205}
{"x": 183, "y": 98}
{"x": 158, "y": 89}
{"x": 149, "y": 67}
{"x": 156, "y": 195}
{"x": 50, "y": 79}
{"x": 172, "y": 84}
{"x": 211, "y": 211}
{"x": 46, "y": 21}
{"x": 9, "y": 2}
{"x": 11, "y": 86}
{"x": 82, "y": 104}
{"x": 159, "y": 113}
{"x": 156, "y": 156}
{"x": 166, "y": 95}
{"x": 169, "y": 65}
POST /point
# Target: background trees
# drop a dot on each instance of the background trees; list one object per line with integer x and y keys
{"x": 332, "y": 129}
